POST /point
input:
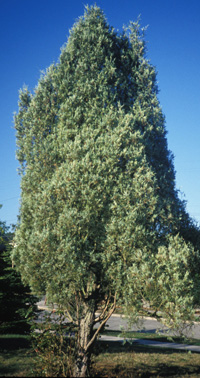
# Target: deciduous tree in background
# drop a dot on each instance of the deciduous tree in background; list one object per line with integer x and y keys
{"x": 100, "y": 214}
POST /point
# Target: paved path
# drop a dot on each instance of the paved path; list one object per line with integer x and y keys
{"x": 152, "y": 343}
{"x": 149, "y": 325}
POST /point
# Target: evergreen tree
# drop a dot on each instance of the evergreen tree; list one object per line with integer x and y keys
{"x": 99, "y": 209}
{"x": 16, "y": 301}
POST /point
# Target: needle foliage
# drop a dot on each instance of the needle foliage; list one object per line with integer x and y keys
{"x": 100, "y": 216}
{"x": 16, "y": 301}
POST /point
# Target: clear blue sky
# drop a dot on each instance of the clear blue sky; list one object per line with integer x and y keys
{"x": 31, "y": 35}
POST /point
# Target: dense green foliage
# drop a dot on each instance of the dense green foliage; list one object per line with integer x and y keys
{"x": 100, "y": 221}
{"x": 16, "y": 301}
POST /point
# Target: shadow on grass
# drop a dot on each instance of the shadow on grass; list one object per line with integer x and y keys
{"x": 8, "y": 342}
{"x": 14, "y": 363}
{"x": 111, "y": 359}
{"x": 119, "y": 347}
{"x": 152, "y": 336}
{"x": 143, "y": 361}
{"x": 15, "y": 355}
{"x": 162, "y": 370}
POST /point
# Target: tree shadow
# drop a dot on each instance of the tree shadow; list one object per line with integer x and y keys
{"x": 14, "y": 343}
{"x": 119, "y": 370}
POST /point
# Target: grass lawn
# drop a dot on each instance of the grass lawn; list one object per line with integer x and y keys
{"x": 111, "y": 359}
{"x": 115, "y": 360}
{"x": 16, "y": 356}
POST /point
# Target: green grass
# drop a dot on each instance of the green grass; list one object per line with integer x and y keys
{"x": 114, "y": 360}
{"x": 16, "y": 356}
{"x": 111, "y": 359}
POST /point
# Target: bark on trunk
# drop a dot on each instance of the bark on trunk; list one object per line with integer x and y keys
{"x": 86, "y": 337}
{"x": 82, "y": 362}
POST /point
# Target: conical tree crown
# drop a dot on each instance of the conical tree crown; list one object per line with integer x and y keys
{"x": 98, "y": 191}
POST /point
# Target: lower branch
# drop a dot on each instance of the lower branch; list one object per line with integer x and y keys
{"x": 102, "y": 324}
{"x": 101, "y": 316}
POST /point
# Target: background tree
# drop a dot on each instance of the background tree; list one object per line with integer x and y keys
{"x": 100, "y": 213}
{"x": 16, "y": 301}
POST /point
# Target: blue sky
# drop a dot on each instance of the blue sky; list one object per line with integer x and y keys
{"x": 31, "y": 35}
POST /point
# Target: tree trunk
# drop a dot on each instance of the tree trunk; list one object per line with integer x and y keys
{"x": 82, "y": 361}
